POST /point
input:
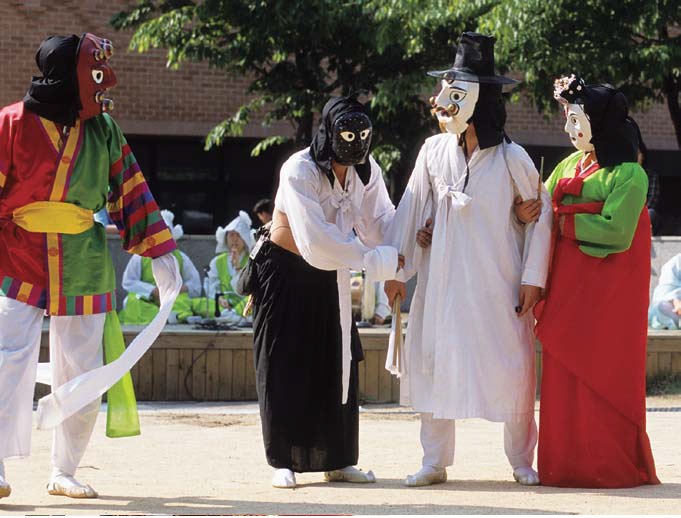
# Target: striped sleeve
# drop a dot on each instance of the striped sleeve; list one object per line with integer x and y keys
{"x": 5, "y": 148}
{"x": 131, "y": 205}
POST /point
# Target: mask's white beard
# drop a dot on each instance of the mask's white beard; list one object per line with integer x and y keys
{"x": 453, "y": 124}
{"x": 455, "y": 105}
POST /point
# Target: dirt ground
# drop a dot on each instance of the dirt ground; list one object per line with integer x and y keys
{"x": 209, "y": 459}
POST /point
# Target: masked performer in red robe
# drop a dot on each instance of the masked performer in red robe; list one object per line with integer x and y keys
{"x": 592, "y": 325}
{"x": 61, "y": 159}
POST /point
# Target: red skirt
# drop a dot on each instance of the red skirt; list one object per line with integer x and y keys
{"x": 593, "y": 330}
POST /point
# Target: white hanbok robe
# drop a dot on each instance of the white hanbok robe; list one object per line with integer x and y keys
{"x": 132, "y": 278}
{"x": 338, "y": 228}
{"x": 467, "y": 354}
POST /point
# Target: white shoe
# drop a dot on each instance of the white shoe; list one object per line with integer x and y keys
{"x": 350, "y": 474}
{"x": 526, "y": 476}
{"x": 65, "y": 485}
{"x": 427, "y": 476}
{"x": 5, "y": 488}
{"x": 284, "y": 478}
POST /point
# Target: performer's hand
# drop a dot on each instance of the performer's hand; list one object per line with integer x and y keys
{"x": 527, "y": 211}
{"x": 677, "y": 306}
{"x": 424, "y": 237}
{"x": 394, "y": 288}
{"x": 529, "y": 296}
{"x": 224, "y": 303}
{"x": 184, "y": 288}
{"x": 400, "y": 262}
{"x": 154, "y": 295}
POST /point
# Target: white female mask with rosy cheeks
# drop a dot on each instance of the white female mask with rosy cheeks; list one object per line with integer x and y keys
{"x": 577, "y": 125}
{"x": 461, "y": 96}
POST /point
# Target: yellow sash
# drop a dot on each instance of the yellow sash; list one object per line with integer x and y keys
{"x": 53, "y": 217}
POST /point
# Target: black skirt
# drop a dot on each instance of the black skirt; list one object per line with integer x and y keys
{"x": 298, "y": 361}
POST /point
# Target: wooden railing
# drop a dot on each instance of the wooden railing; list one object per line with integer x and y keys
{"x": 186, "y": 364}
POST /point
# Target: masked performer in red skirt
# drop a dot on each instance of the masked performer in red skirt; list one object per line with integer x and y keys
{"x": 593, "y": 323}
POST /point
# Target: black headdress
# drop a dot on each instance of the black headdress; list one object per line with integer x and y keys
{"x": 474, "y": 62}
{"x": 615, "y": 135}
{"x": 320, "y": 148}
{"x": 54, "y": 95}
{"x": 489, "y": 116}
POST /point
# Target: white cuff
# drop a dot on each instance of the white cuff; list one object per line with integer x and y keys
{"x": 534, "y": 277}
{"x": 381, "y": 263}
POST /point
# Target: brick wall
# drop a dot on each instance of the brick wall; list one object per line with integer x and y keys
{"x": 152, "y": 100}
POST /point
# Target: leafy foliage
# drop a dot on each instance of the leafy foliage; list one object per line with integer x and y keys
{"x": 300, "y": 52}
{"x": 632, "y": 44}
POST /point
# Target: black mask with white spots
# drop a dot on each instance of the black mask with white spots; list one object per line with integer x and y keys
{"x": 351, "y": 138}
{"x": 342, "y": 114}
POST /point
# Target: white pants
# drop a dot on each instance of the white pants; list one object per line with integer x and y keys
{"x": 438, "y": 439}
{"x": 75, "y": 347}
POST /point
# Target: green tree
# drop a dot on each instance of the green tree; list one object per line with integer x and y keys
{"x": 632, "y": 44}
{"x": 300, "y": 52}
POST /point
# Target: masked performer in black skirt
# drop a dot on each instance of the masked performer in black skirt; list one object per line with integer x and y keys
{"x": 331, "y": 211}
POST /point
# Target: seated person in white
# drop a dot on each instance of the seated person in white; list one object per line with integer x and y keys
{"x": 234, "y": 243}
{"x": 141, "y": 303}
{"x": 665, "y": 306}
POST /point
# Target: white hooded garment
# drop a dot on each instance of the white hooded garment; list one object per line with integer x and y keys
{"x": 467, "y": 354}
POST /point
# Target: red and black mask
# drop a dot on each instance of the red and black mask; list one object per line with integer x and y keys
{"x": 95, "y": 75}
{"x": 74, "y": 81}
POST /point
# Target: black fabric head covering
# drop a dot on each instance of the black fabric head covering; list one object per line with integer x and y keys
{"x": 489, "y": 116}
{"x": 615, "y": 135}
{"x": 54, "y": 95}
{"x": 474, "y": 62}
{"x": 320, "y": 148}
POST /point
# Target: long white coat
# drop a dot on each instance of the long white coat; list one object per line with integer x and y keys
{"x": 467, "y": 354}
{"x": 338, "y": 228}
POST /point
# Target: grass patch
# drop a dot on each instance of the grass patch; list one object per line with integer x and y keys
{"x": 664, "y": 384}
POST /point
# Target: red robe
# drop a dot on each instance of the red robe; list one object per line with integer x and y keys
{"x": 593, "y": 329}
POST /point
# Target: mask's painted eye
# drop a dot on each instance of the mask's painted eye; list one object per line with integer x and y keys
{"x": 348, "y": 136}
{"x": 98, "y": 76}
{"x": 573, "y": 120}
{"x": 457, "y": 95}
{"x": 365, "y": 134}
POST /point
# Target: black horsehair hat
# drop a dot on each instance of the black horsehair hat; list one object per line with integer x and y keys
{"x": 474, "y": 62}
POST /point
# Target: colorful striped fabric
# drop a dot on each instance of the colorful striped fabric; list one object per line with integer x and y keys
{"x": 134, "y": 210}
{"x": 71, "y": 274}
{"x": 55, "y": 249}
{"x": 68, "y": 305}
{"x": 23, "y": 292}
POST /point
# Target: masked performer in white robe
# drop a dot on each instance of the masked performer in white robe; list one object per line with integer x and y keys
{"x": 469, "y": 349}
{"x": 331, "y": 211}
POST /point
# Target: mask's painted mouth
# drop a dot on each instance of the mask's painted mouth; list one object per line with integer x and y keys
{"x": 354, "y": 159}
{"x": 445, "y": 114}
{"x": 106, "y": 102}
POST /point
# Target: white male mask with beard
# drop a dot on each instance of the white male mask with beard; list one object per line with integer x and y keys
{"x": 577, "y": 125}
{"x": 455, "y": 104}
